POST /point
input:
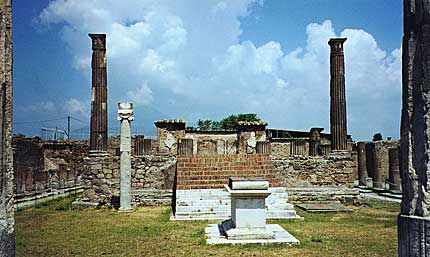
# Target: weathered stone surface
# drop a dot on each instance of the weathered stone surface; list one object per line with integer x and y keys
{"x": 169, "y": 132}
{"x": 99, "y": 115}
{"x": 249, "y": 133}
{"x": 414, "y": 239}
{"x": 151, "y": 179}
{"x": 337, "y": 95}
{"x": 307, "y": 171}
{"x": 394, "y": 173}
{"x": 315, "y": 141}
{"x": 7, "y": 240}
{"x": 362, "y": 169}
{"x": 125, "y": 116}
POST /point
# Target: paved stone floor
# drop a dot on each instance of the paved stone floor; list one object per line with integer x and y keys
{"x": 213, "y": 236}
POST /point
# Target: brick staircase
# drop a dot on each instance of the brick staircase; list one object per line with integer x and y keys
{"x": 200, "y": 192}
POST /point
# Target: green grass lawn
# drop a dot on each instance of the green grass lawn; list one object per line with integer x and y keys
{"x": 53, "y": 229}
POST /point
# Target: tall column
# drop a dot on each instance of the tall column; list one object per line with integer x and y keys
{"x": 99, "y": 116}
{"x": 362, "y": 169}
{"x": 7, "y": 234}
{"x": 337, "y": 95}
{"x": 414, "y": 219}
{"x": 315, "y": 141}
{"x": 125, "y": 116}
{"x": 393, "y": 169}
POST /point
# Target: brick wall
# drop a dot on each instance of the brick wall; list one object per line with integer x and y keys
{"x": 205, "y": 172}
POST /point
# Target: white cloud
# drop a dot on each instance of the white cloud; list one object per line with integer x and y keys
{"x": 186, "y": 59}
{"x": 74, "y": 106}
{"x": 142, "y": 95}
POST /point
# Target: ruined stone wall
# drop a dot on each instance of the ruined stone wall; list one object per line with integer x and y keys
{"x": 7, "y": 234}
{"x": 315, "y": 171}
{"x": 152, "y": 179}
{"x": 377, "y": 159}
{"x": 45, "y": 165}
{"x": 205, "y": 172}
{"x": 210, "y": 143}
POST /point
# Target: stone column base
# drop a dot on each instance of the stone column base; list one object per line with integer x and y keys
{"x": 7, "y": 243}
{"x": 414, "y": 236}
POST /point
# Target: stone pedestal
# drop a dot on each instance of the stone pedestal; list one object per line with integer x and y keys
{"x": 248, "y": 214}
{"x": 248, "y": 217}
{"x": 125, "y": 115}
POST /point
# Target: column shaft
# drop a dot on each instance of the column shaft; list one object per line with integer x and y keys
{"x": 337, "y": 95}
{"x": 362, "y": 169}
{"x": 99, "y": 120}
{"x": 125, "y": 116}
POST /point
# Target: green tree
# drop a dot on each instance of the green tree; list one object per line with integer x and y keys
{"x": 230, "y": 123}
{"x": 205, "y": 125}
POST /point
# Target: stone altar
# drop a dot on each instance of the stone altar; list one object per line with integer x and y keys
{"x": 248, "y": 217}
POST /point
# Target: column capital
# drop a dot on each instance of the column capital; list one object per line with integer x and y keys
{"x": 125, "y": 111}
{"x": 99, "y": 41}
{"x": 336, "y": 44}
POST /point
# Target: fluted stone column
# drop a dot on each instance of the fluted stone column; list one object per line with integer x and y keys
{"x": 414, "y": 219}
{"x": 337, "y": 95}
{"x": 315, "y": 141}
{"x": 99, "y": 115}
{"x": 393, "y": 169}
{"x": 7, "y": 234}
{"x": 125, "y": 116}
{"x": 362, "y": 169}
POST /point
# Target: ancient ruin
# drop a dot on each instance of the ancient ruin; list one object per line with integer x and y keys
{"x": 337, "y": 95}
{"x": 7, "y": 234}
{"x": 414, "y": 218}
{"x": 99, "y": 115}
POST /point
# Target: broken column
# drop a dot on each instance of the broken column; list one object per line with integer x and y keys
{"x": 125, "y": 116}
{"x": 249, "y": 133}
{"x": 393, "y": 169}
{"x": 362, "y": 170}
{"x": 7, "y": 234}
{"x": 315, "y": 141}
{"x": 337, "y": 95}
{"x": 414, "y": 219}
{"x": 378, "y": 169}
{"x": 99, "y": 116}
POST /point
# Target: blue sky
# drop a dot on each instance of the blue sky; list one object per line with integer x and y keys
{"x": 208, "y": 59}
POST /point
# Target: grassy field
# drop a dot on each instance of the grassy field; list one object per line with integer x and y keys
{"x": 53, "y": 229}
